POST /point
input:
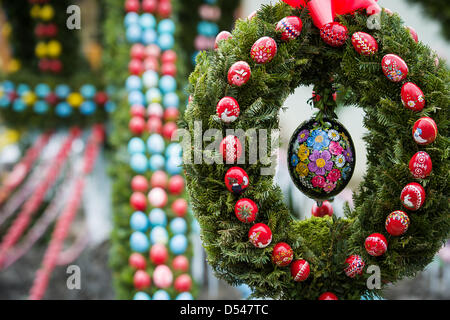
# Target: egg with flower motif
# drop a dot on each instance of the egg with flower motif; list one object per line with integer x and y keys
{"x": 321, "y": 158}
{"x": 260, "y": 235}
{"x": 264, "y": 50}
{"x": 394, "y": 67}
{"x": 290, "y": 28}
{"x": 425, "y": 131}
{"x": 282, "y": 254}
{"x": 376, "y": 244}
{"x": 246, "y": 210}
{"x": 413, "y": 196}
{"x": 412, "y": 97}
{"x": 364, "y": 43}
{"x": 420, "y": 165}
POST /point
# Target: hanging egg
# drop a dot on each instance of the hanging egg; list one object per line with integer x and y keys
{"x": 354, "y": 266}
{"x": 290, "y": 28}
{"x": 180, "y": 207}
{"x": 412, "y": 97}
{"x": 334, "y": 34}
{"x": 394, "y": 67}
{"x": 425, "y": 131}
{"x": 326, "y": 209}
{"x": 228, "y": 109}
{"x": 420, "y": 165}
{"x": 139, "y": 184}
{"x": 246, "y": 210}
{"x": 222, "y": 36}
{"x": 236, "y": 180}
{"x": 376, "y": 244}
{"x": 321, "y": 158}
{"x": 260, "y": 235}
{"x": 239, "y": 74}
{"x": 397, "y": 223}
{"x": 231, "y": 149}
{"x": 300, "y": 270}
{"x": 364, "y": 43}
{"x": 413, "y": 196}
{"x": 282, "y": 254}
{"x": 264, "y": 50}
{"x": 328, "y": 296}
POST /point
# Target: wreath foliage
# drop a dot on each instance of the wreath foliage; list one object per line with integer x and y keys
{"x": 324, "y": 242}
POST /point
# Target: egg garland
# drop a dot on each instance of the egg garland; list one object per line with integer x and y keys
{"x": 60, "y": 101}
{"x": 391, "y": 65}
{"x": 156, "y": 161}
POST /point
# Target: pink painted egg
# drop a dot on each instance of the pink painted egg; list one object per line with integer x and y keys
{"x": 264, "y": 50}
{"x": 290, "y": 28}
{"x": 412, "y": 97}
{"x": 394, "y": 67}
{"x": 364, "y": 43}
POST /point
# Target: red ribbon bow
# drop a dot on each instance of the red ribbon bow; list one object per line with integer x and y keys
{"x": 324, "y": 11}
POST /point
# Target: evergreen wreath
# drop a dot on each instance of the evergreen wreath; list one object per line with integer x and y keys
{"x": 327, "y": 242}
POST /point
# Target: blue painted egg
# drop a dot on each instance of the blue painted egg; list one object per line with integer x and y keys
{"x": 62, "y": 91}
{"x": 157, "y": 217}
{"x": 166, "y": 41}
{"x": 139, "y": 242}
{"x": 136, "y": 97}
{"x": 88, "y": 108}
{"x": 131, "y": 18}
{"x": 171, "y": 100}
{"x": 147, "y": 21}
{"x": 178, "y": 244}
{"x": 153, "y": 95}
{"x": 88, "y": 91}
{"x": 149, "y": 36}
{"x": 40, "y": 107}
{"x": 139, "y": 163}
{"x": 167, "y": 84}
{"x": 156, "y": 162}
{"x": 141, "y": 296}
{"x": 161, "y": 295}
{"x": 185, "y": 296}
{"x": 178, "y": 226}
{"x": 166, "y": 26}
{"x": 150, "y": 78}
{"x": 155, "y": 144}
{"x": 42, "y": 90}
{"x": 139, "y": 221}
{"x": 134, "y": 33}
{"x": 63, "y": 110}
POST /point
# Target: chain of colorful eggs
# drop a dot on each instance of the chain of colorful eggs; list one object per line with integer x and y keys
{"x": 61, "y": 100}
{"x": 48, "y": 49}
{"x": 152, "y": 83}
{"x": 207, "y": 28}
{"x": 263, "y": 51}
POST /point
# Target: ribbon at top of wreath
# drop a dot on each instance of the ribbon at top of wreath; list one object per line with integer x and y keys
{"x": 324, "y": 11}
